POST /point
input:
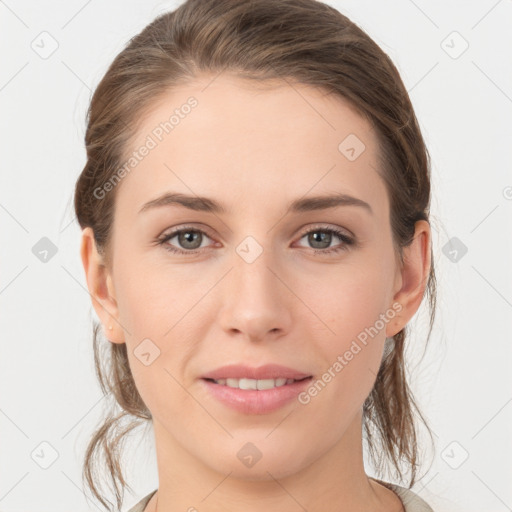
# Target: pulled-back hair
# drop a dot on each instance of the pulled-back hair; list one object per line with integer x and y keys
{"x": 301, "y": 40}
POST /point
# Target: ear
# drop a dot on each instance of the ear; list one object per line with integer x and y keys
{"x": 412, "y": 278}
{"x": 101, "y": 289}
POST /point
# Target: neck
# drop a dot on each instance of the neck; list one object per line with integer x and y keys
{"x": 335, "y": 477}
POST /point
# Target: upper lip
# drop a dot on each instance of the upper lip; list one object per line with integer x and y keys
{"x": 268, "y": 371}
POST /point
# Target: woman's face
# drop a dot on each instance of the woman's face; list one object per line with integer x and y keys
{"x": 247, "y": 284}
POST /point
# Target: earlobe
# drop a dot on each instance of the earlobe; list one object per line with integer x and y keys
{"x": 100, "y": 286}
{"x": 413, "y": 277}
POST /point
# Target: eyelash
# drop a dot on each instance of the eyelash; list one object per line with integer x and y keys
{"x": 347, "y": 241}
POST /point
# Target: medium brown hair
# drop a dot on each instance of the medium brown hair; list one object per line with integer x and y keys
{"x": 301, "y": 40}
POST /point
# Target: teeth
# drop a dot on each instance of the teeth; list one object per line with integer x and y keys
{"x": 254, "y": 383}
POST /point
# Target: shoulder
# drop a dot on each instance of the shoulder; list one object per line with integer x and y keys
{"x": 141, "y": 505}
{"x": 411, "y": 501}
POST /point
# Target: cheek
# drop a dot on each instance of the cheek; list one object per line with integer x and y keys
{"x": 150, "y": 297}
{"x": 351, "y": 301}
{"x": 156, "y": 306}
{"x": 356, "y": 311}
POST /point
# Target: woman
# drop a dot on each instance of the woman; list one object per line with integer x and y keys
{"x": 255, "y": 215}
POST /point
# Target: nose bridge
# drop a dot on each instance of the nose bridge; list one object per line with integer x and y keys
{"x": 252, "y": 270}
{"x": 256, "y": 302}
{"x": 252, "y": 267}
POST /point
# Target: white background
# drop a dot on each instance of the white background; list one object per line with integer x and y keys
{"x": 48, "y": 387}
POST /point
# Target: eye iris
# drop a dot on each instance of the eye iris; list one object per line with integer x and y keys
{"x": 186, "y": 237}
{"x": 313, "y": 237}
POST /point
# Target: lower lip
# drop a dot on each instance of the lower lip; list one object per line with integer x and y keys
{"x": 254, "y": 401}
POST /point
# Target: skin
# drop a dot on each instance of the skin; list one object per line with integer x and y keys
{"x": 255, "y": 149}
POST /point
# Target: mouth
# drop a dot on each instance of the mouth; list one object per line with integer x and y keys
{"x": 256, "y": 396}
{"x": 256, "y": 384}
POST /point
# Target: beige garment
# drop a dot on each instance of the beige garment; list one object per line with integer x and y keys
{"x": 411, "y": 501}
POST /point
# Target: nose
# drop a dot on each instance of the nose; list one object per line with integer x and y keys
{"x": 257, "y": 301}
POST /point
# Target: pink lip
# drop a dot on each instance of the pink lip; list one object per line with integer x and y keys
{"x": 254, "y": 401}
{"x": 268, "y": 371}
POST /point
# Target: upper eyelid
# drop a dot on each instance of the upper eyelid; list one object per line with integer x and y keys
{"x": 326, "y": 227}
{"x": 175, "y": 231}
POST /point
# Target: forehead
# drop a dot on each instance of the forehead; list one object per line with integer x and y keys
{"x": 240, "y": 140}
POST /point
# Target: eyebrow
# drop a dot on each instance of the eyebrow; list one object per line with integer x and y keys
{"x": 205, "y": 204}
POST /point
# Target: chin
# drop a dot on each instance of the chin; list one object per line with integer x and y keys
{"x": 251, "y": 463}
